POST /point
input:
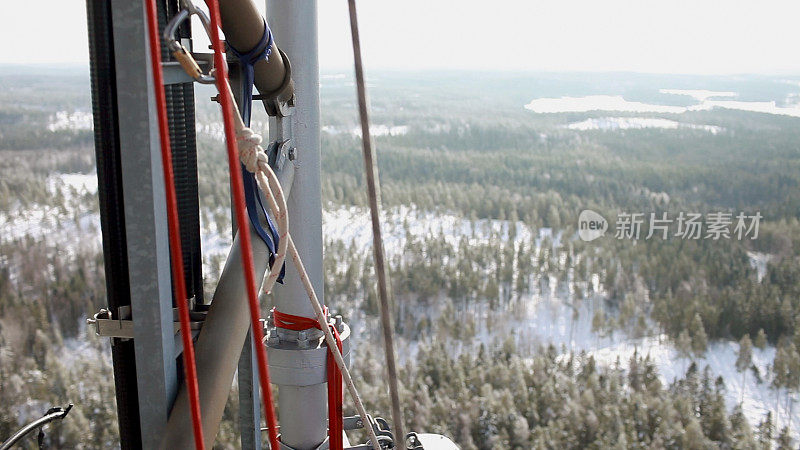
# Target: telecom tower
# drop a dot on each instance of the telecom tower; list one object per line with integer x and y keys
{"x": 143, "y": 308}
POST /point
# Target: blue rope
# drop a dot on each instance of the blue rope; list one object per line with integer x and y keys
{"x": 247, "y": 61}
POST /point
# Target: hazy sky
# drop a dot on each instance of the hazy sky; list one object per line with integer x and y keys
{"x": 698, "y": 36}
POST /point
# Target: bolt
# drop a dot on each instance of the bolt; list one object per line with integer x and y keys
{"x": 359, "y": 423}
{"x": 292, "y": 154}
{"x": 302, "y": 339}
{"x": 339, "y": 323}
{"x": 273, "y": 338}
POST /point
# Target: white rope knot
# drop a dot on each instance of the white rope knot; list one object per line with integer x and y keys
{"x": 250, "y": 151}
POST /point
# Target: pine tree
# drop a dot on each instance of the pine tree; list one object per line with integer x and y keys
{"x": 785, "y": 440}
{"x": 694, "y": 438}
{"x": 684, "y": 345}
{"x": 761, "y": 339}
{"x": 698, "y": 333}
{"x": 553, "y": 218}
{"x": 741, "y": 432}
{"x": 764, "y": 432}
{"x": 744, "y": 360}
{"x": 599, "y": 322}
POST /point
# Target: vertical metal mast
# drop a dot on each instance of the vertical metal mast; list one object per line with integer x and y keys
{"x": 303, "y": 415}
{"x": 145, "y": 223}
{"x": 139, "y": 317}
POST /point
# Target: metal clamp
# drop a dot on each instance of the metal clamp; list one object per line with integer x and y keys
{"x": 299, "y": 358}
{"x": 382, "y": 431}
{"x": 352, "y": 423}
{"x": 106, "y": 325}
{"x": 281, "y": 145}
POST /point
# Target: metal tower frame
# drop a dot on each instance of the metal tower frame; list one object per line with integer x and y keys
{"x": 140, "y": 316}
{"x": 152, "y": 401}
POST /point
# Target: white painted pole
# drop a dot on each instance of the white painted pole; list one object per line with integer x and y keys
{"x": 303, "y": 409}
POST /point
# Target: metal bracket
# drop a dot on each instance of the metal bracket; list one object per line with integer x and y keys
{"x": 413, "y": 442}
{"x": 175, "y": 74}
{"x": 382, "y": 431}
{"x": 352, "y": 423}
{"x": 278, "y": 152}
{"x": 107, "y": 325}
{"x": 422, "y": 441}
{"x": 280, "y": 147}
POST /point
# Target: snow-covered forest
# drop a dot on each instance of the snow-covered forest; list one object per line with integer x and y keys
{"x": 513, "y": 332}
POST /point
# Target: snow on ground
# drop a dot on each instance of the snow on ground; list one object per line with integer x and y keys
{"x": 618, "y": 103}
{"x": 333, "y": 76}
{"x": 543, "y": 317}
{"x": 74, "y": 121}
{"x": 759, "y": 262}
{"x": 596, "y": 103}
{"x": 216, "y": 131}
{"x": 698, "y": 94}
{"x": 68, "y": 224}
{"x": 374, "y": 129}
{"x": 353, "y": 225}
{"x": 215, "y": 244}
{"x": 762, "y": 107}
{"x": 72, "y": 184}
{"x": 636, "y": 123}
{"x": 548, "y": 320}
{"x": 720, "y": 358}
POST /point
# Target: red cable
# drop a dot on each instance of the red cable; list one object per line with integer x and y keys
{"x": 174, "y": 226}
{"x": 335, "y": 390}
{"x": 295, "y": 323}
{"x": 241, "y": 218}
{"x": 336, "y": 397}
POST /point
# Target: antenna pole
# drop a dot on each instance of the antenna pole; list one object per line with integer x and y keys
{"x": 303, "y": 411}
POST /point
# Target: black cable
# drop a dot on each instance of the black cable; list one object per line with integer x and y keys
{"x": 102, "y": 65}
{"x": 52, "y": 414}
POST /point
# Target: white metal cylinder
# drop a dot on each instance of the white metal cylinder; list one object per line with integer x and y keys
{"x": 303, "y": 410}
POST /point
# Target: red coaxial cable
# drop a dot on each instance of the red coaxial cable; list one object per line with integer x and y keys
{"x": 226, "y": 101}
{"x": 176, "y": 253}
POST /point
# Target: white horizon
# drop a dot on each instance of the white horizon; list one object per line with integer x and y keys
{"x": 703, "y": 37}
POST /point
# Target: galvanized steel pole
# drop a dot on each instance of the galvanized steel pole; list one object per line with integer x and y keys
{"x": 303, "y": 412}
